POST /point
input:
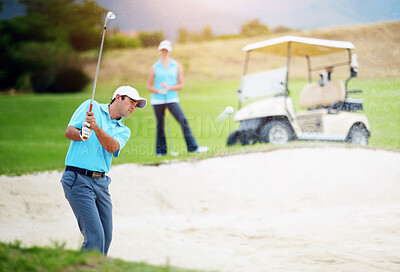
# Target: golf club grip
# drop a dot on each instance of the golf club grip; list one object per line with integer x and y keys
{"x": 90, "y": 109}
{"x": 85, "y": 138}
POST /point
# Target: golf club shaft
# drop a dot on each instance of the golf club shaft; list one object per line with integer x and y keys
{"x": 98, "y": 62}
{"x": 98, "y": 66}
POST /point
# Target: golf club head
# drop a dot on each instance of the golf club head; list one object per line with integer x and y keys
{"x": 110, "y": 15}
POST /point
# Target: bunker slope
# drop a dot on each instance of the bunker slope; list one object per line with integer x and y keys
{"x": 303, "y": 209}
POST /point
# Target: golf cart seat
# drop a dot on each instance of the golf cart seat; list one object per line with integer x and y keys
{"x": 313, "y": 95}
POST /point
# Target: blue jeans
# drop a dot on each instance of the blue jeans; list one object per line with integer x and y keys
{"x": 176, "y": 111}
{"x": 91, "y": 203}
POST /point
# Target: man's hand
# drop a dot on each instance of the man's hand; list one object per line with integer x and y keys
{"x": 90, "y": 123}
{"x": 91, "y": 120}
{"x": 85, "y": 131}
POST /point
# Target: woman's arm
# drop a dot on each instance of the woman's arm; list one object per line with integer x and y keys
{"x": 150, "y": 81}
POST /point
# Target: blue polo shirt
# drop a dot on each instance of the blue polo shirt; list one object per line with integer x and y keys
{"x": 90, "y": 154}
{"x": 168, "y": 75}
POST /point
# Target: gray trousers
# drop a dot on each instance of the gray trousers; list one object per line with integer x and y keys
{"x": 91, "y": 203}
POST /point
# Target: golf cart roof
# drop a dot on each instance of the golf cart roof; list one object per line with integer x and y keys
{"x": 299, "y": 46}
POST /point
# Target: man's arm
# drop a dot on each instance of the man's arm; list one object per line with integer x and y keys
{"x": 72, "y": 133}
{"x": 108, "y": 142}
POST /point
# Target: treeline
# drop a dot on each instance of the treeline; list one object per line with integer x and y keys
{"x": 40, "y": 51}
{"x": 145, "y": 39}
{"x": 250, "y": 29}
{"x": 118, "y": 39}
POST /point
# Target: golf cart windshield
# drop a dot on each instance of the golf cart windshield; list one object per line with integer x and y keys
{"x": 261, "y": 84}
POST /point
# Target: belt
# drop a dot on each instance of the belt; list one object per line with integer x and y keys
{"x": 85, "y": 172}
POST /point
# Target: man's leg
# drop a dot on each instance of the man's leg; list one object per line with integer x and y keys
{"x": 82, "y": 198}
{"x": 104, "y": 206}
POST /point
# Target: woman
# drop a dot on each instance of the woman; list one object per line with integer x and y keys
{"x": 164, "y": 81}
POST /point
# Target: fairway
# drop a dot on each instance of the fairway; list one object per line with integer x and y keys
{"x": 33, "y": 126}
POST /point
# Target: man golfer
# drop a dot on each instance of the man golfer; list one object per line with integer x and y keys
{"x": 84, "y": 181}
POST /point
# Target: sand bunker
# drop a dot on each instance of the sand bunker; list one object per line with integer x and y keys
{"x": 306, "y": 209}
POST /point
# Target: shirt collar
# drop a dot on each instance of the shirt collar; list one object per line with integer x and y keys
{"x": 104, "y": 107}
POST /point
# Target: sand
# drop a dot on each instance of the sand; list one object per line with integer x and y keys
{"x": 304, "y": 209}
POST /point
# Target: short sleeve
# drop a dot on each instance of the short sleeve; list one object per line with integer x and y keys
{"x": 78, "y": 118}
{"x": 122, "y": 137}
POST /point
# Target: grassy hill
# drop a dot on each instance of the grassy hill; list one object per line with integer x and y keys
{"x": 33, "y": 126}
{"x": 377, "y": 46}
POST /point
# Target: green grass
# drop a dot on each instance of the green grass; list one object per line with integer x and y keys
{"x": 381, "y": 100}
{"x": 382, "y": 104}
{"x": 13, "y": 257}
{"x": 32, "y": 126}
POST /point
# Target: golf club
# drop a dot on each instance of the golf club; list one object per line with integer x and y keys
{"x": 110, "y": 16}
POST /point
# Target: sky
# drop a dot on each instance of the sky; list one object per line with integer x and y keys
{"x": 226, "y": 16}
{"x": 11, "y": 8}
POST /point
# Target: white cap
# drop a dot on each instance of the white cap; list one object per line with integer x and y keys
{"x": 131, "y": 93}
{"x": 165, "y": 45}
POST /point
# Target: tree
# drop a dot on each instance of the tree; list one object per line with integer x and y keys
{"x": 41, "y": 45}
{"x": 153, "y": 38}
{"x": 281, "y": 29}
{"x": 183, "y": 35}
{"x": 207, "y": 33}
{"x": 52, "y": 67}
{"x": 121, "y": 41}
{"x": 254, "y": 28}
{"x": 76, "y": 23}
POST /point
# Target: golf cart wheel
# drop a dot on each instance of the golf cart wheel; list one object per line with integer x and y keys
{"x": 276, "y": 132}
{"x": 233, "y": 138}
{"x": 238, "y": 136}
{"x": 358, "y": 135}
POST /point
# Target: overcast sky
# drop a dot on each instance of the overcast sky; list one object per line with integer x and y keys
{"x": 226, "y": 16}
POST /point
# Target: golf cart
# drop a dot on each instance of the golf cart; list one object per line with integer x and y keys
{"x": 329, "y": 114}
